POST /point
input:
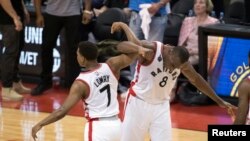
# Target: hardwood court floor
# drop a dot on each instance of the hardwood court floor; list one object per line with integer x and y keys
{"x": 16, "y": 126}
{"x": 17, "y": 119}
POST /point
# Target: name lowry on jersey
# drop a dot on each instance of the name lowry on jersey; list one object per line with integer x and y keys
{"x": 101, "y": 79}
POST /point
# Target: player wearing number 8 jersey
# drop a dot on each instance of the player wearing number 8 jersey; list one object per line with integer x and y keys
{"x": 147, "y": 105}
{"x": 97, "y": 86}
{"x": 148, "y": 97}
{"x": 152, "y": 82}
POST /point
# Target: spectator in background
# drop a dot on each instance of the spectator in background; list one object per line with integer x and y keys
{"x": 86, "y": 29}
{"x": 157, "y": 25}
{"x": 243, "y": 112}
{"x": 98, "y": 7}
{"x": 189, "y": 30}
{"x": 189, "y": 38}
{"x": 13, "y": 15}
{"x": 60, "y": 14}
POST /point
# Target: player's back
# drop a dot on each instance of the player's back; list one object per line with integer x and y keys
{"x": 101, "y": 98}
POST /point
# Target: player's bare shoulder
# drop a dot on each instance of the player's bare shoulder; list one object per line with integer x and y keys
{"x": 113, "y": 64}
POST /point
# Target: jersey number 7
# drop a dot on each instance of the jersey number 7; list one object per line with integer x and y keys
{"x": 106, "y": 88}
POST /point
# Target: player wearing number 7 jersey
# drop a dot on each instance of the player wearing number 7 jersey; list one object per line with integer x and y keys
{"x": 97, "y": 86}
{"x": 147, "y": 104}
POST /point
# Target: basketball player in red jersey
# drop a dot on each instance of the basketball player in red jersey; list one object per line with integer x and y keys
{"x": 243, "y": 112}
{"x": 147, "y": 104}
{"x": 97, "y": 86}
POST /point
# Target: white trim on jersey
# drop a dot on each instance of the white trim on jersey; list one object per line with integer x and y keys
{"x": 88, "y": 89}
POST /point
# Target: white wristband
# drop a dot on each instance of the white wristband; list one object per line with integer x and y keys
{"x": 87, "y": 12}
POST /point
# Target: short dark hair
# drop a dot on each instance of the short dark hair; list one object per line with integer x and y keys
{"x": 88, "y": 50}
{"x": 182, "y": 53}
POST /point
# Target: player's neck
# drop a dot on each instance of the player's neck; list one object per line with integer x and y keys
{"x": 90, "y": 65}
{"x": 166, "y": 59}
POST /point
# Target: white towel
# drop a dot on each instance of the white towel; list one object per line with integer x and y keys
{"x": 146, "y": 19}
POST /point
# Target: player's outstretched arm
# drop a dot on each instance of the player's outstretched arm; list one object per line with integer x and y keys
{"x": 196, "y": 79}
{"x": 76, "y": 93}
{"x": 118, "y": 26}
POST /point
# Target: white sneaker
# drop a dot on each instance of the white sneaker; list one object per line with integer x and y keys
{"x": 8, "y": 94}
{"x": 20, "y": 88}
